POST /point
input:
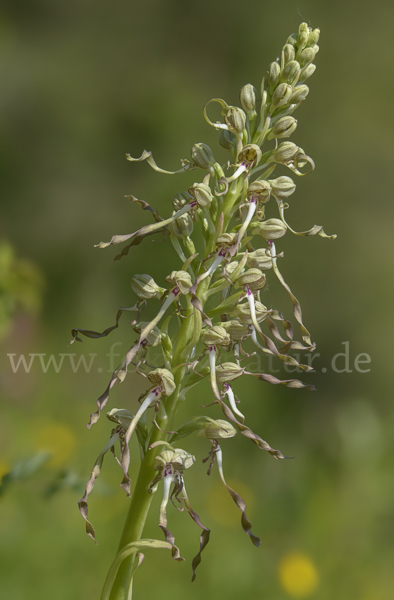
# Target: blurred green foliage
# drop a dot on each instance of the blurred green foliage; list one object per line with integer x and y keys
{"x": 86, "y": 81}
{"x": 21, "y": 286}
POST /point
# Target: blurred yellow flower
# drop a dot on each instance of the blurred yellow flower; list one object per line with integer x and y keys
{"x": 5, "y": 467}
{"x": 58, "y": 439}
{"x": 298, "y": 575}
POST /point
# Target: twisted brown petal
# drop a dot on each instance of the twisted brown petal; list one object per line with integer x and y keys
{"x": 83, "y": 502}
{"x": 239, "y": 501}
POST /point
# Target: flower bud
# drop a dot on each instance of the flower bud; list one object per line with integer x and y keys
{"x": 145, "y": 288}
{"x": 306, "y": 57}
{"x": 292, "y": 39}
{"x": 248, "y": 99}
{"x": 228, "y": 371}
{"x": 202, "y": 193}
{"x": 181, "y": 457}
{"x": 166, "y": 345}
{"x": 236, "y": 330}
{"x": 313, "y": 37}
{"x": 227, "y": 139}
{"x": 271, "y": 229}
{"x": 216, "y": 336}
{"x": 202, "y": 156}
{"x": 303, "y": 35}
{"x": 285, "y": 152}
{"x": 281, "y": 96}
{"x": 283, "y": 128}
{"x": 307, "y": 72}
{"x": 154, "y": 337}
{"x": 163, "y": 377}
{"x": 290, "y": 72}
{"x": 235, "y": 119}
{"x": 274, "y": 74}
{"x": 181, "y": 199}
{"x": 253, "y": 278}
{"x": 299, "y": 94}
{"x": 250, "y": 155}
{"x": 219, "y": 429}
{"x": 242, "y": 311}
{"x": 260, "y": 259}
{"x": 288, "y": 53}
{"x": 181, "y": 279}
{"x": 182, "y": 226}
{"x": 260, "y": 190}
{"x": 282, "y": 187}
{"x": 230, "y": 268}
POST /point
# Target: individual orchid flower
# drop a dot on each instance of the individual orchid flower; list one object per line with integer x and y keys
{"x": 260, "y": 259}
{"x": 234, "y": 117}
{"x": 292, "y": 156}
{"x": 227, "y": 372}
{"x": 170, "y": 465}
{"x": 203, "y": 158}
{"x": 215, "y": 338}
{"x": 221, "y": 429}
{"x": 248, "y": 158}
{"x": 200, "y": 198}
{"x": 270, "y": 347}
{"x": 144, "y": 287}
{"x": 306, "y": 336}
{"x": 148, "y": 229}
{"x": 122, "y": 418}
{"x": 224, "y": 243}
{"x": 182, "y": 281}
{"x": 258, "y": 193}
{"x": 238, "y": 332}
{"x": 282, "y": 188}
{"x": 153, "y": 338}
{"x": 163, "y": 385}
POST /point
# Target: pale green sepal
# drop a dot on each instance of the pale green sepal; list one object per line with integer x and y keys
{"x": 194, "y": 425}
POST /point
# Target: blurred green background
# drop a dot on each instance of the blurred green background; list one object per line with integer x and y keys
{"x": 83, "y": 83}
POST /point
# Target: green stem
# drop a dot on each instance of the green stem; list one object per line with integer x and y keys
{"x": 135, "y": 521}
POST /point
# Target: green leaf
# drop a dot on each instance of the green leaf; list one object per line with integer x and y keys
{"x": 227, "y": 306}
